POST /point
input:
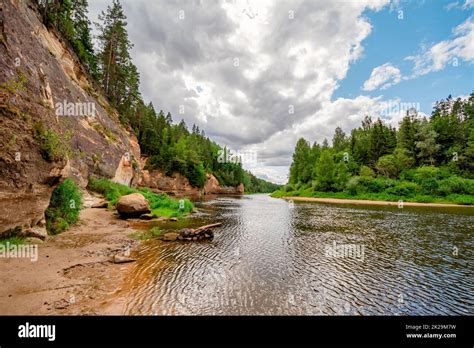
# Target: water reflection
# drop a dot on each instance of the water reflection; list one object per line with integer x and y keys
{"x": 270, "y": 257}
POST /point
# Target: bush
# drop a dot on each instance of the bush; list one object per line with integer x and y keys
{"x": 53, "y": 146}
{"x": 461, "y": 199}
{"x": 420, "y": 174}
{"x": 380, "y": 184}
{"x": 64, "y": 207}
{"x": 357, "y": 185}
{"x": 427, "y": 177}
{"x": 366, "y": 171}
{"x": 196, "y": 174}
{"x": 456, "y": 185}
{"x": 404, "y": 188}
{"x": 387, "y": 166}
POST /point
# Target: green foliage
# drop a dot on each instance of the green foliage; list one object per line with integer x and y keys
{"x": 53, "y": 146}
{"x": 300, "y": 170}
{"x": 15, "y": 84}
{"x": 426, "y": 159}
{"x": 160, "y": 203}
{"x": 387, "y": 166}
{"x": 456, "y": 185}
{"x": 70, "y": 18}
{"x": 426, "y": 145}
{"x": 342, "y": 176}
{"x": 170, "y": 147}
{"x": 255, "y": 185}
{"x": 366, "y": 171}
{"x": 404, "y": 189}
{"x": 325, "y": 172}
{"x": 10, "y": 241}
{"x": 64, "y": 207}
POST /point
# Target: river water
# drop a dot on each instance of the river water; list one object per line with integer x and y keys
{"x": 278, "y": 258}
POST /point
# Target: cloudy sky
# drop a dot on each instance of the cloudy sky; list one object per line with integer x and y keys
{"x": 258, "y": 75}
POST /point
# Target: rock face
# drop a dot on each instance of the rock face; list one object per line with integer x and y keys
{"x": 44, "y": 75}
{"x": 179, "y": 185}
{"x": 132, "y": 205}
{"x": 43, "y": 78}
{"x": 212, "y": 187}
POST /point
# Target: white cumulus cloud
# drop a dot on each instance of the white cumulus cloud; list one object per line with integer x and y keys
{"x": 454, "y": 51}
{"x": 382, "y": 77}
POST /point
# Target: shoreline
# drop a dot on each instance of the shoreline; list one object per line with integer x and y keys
{"x": 73, "y": 274}
{"x": 372, "y": 202}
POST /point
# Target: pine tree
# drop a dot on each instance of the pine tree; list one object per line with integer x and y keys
{"x": 82, "y": 40}
{"x": 339, "y": 141}
{"x": 117, "y": 71}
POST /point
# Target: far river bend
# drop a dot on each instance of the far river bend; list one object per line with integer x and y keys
{"x": 273, "y": 258}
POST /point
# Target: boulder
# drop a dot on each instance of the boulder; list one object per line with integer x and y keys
{"x": 132, "y": 205}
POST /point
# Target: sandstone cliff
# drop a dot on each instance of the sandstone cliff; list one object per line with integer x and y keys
{"x": 44, "y": 88}
{"x": 38, "y": 71}
{"x": 179, "y": 185}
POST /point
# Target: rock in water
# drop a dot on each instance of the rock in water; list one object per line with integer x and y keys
{"x": 132, "y": 205}
{"x": 203, "y": 232}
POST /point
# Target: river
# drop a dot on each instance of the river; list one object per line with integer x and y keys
{"x": 273, "y": 257}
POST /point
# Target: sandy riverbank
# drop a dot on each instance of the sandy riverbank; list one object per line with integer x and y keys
{"x": 369, "y": 202}
{"x": 73, "y": 273}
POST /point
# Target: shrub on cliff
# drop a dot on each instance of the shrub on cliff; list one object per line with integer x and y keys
{"x": 64, "y": 207}
{"x": 54, "y": 147}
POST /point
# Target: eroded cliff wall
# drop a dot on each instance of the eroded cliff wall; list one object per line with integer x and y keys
{"x": 48, "y": 104}
{"x": 54, "y": 124}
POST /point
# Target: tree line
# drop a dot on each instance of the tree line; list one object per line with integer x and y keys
{"x": 424, "y": 157}
{"x": 171, "y": 147}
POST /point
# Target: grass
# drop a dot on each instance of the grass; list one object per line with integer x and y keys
{"x": 54, "y": 147}
{"x": 453, "y": 198}
{"x": 144, "y": 235}
{"x": 160, "y": 203}
{"x": 15, "y": 240}
{"x": 64, "y": 207}
{"x": 105, "y": 132}
{"x": 15, "y": 84}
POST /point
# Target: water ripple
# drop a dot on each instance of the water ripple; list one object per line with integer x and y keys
{"x": 270, "y": 258}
